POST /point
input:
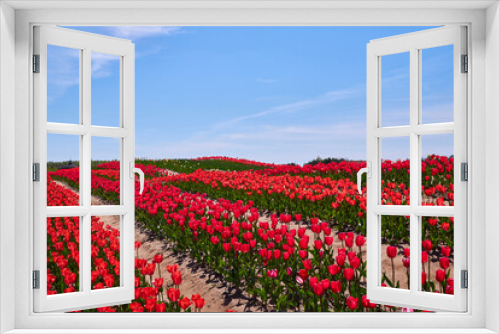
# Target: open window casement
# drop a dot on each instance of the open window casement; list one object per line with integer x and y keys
{"x": 75, "y": 218}
{"x": 416, "y": 212}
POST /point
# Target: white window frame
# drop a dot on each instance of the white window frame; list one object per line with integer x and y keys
{"x": 414, "y": 43}
{"x": 86, "y": 44}
{"x": 484, "y": 82}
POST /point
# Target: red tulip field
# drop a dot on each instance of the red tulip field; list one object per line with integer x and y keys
{"x": 286, "y": 237}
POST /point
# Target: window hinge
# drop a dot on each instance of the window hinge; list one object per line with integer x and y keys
{"x": 465, "y": 279}
{"x": 36, "y": 63}
{"x": 36, "y": 279}
{"x": 36, "y": 172}
{"x": 464, "y": 172}
{"x": 465, "y": 64}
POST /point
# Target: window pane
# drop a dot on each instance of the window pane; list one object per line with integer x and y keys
{"x": 105, "y": 89}
{"x": 63, "y": 173}
{"x": 63, "y": 255}
{"x": 63, "y": 85}
{"x": 106, "y": 170}
{"x": 437, "y": 84}
{"x": 105, "y": 252}
{"x": 395, "y": 89}
{"x": 395, "y": 170}
{"x": 437, "y": 170}
{"x": 437, "y": 254}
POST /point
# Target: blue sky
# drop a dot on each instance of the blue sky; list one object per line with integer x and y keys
{"x": 273, "y": 94}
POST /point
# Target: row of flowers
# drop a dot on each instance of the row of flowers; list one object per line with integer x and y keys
{"x": 152, "y": 293}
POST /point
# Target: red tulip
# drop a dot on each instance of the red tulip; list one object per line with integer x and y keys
{"x": 273, "y": 273}
{"x": 391, "y": 251}
{"x": 360, "y": 240}
{"x": 307, "y": 264}
{"x": 349, "y": 274}
{"x": 444, "y": 262}
{"x": 158, "y": 258}
{"x": 427, "y": 244}
{"x": 328, "y": 241}
{"x": 325, "y": 283}
{"x": 172, "y": 268}
{"x": 446, "y": 251}
{"x": 349, "y": 242}
{"x": 440, "y": 275}
{"x": 333, "y": 269}
{"x": 352, "y": 303}
{"x": 161, "y": 307}
{"x": 302, "y": 253}
{"x": 366, "y": 302}
{"x": 199, "y": 303}
{"x": 318, "y": 289}
{"x": 303, "y": 274}
{"x": 424, "y": 257}
{"x": 173, "y": 294}
{"x": 184, "y": 303}
{"x": 177, "y": 278}
{"x": 355, "y": 262}
{"x": 336, "y": 286}
{"x": 158, "y": 282}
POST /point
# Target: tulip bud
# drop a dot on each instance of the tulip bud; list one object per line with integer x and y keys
{"x": 391, "y": 251}
{"x": 440, "y": 275}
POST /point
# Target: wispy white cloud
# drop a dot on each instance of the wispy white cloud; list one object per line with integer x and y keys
{"x": 267, "y": 80}
{"x": 63, "y": 67}
{"x": 64, "y": 72}
{"x": 135, "y": 32}
{"x": 271, "y": 143}
{"x": 323, "y": 99}
{"x": 102, "y": 64}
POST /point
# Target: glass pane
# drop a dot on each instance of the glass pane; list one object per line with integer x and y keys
{"x": 437, "y": 84}
{"x": 437, "y": 169}
{"x": 395, "y": 246}
{"x": 63, "y": 85}
{"x": 395, "y": 89}
{"x": 437, "y": 254}
{"x": 63, "y": 255}
{"x": 63, "y": 173}
{"x": 395, "y": 170}
{"x": 105, "y": 170}
{"x": 105, "y": 252}
{"x": 105, "y": 89}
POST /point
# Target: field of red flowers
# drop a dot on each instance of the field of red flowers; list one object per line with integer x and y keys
{"x": 151, "y": 294}
{"x": 292, "y": 238}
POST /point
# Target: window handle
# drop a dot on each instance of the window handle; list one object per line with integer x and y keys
{"x": 134, "y": 170}
{"x": 367, "y": 170}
